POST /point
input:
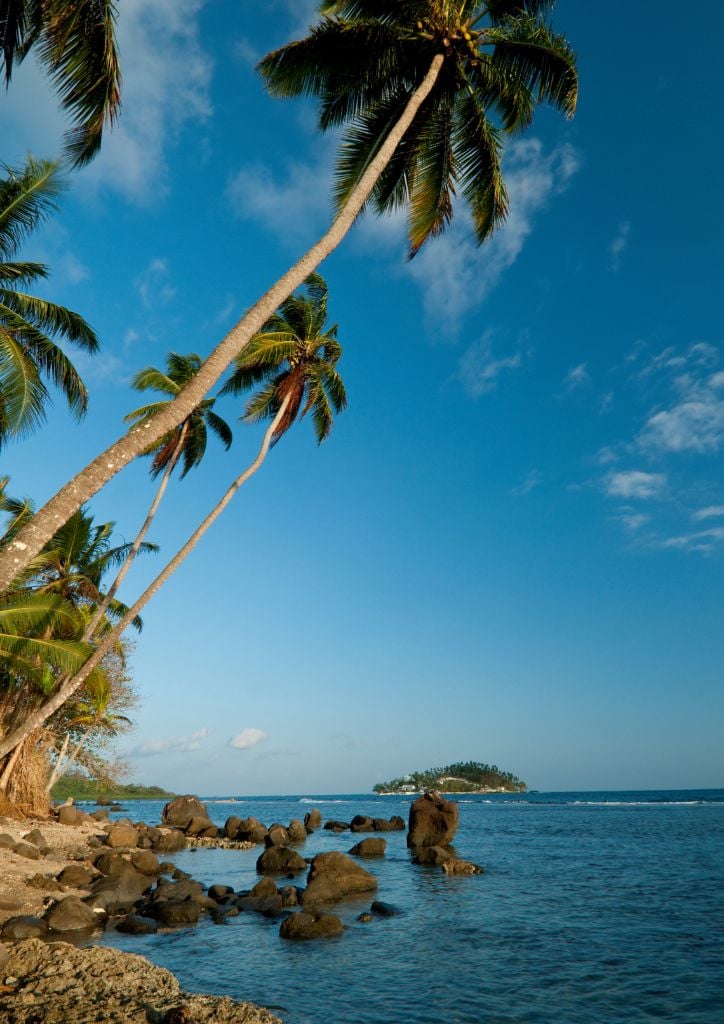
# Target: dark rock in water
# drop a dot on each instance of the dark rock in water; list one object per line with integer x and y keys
{"x": 176, "y": 912}
{"x": 178, "y": 873}
{"x": 77, "y": 876}
{"x": 134, "y": 924}
{"x": 27, "y": 850}
{"x": 398, "y": 823}
{"x": 337, "y": 826}
{"x": 184, "y": 889}
{"x": 116, "y": 808}
{"x": 276, "y": 836}
{"x": 109, "y": 863}
{"x": 333, "y": 876}
{"x": 289, "y": 896}
{"x": 99, "y": 815}
{"x": 380, "y": 909}
{"x": 369, "y": 848}
{"x": 231, "y": 826}
{"x": 72, "y": 915}
{"x": 303, "y": 926}
{"x": 433, "y": 821}
{"x": 296, "y": 831}
{"x": 313, "y": 818}
{"x": 181, "y": 810}
{"x": 394, "y": 824}
{"x": 264, "y": 887}
{"x": 453, "y": 866}
{"x": 167, "y": 840}
{"x": 23, "y": 927}
{"x": 201, "y": 826}
{"x": 146, "y": 862}
{"x": 220, "y": 892}
{"x": 36, "y": 837}
{"x": 269, "y": 905}
{"x": 362, "y": 823}
{"x": 280, "y": 860}
{"x": 248, "y": 830}
{"x": 122, "y": 837}
{"x": 431, "y": 854}
{"x": 365, "y": 916}
{"x": 103, "y": 801}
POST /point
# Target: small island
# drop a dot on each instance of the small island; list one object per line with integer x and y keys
{"x": 80, "y": 787}
{"x": 461, "y": 777}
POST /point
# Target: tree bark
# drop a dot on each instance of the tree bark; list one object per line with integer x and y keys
{"x": 57, "y": 770}
{"x": 29, "y": 541}
{"x": 72, "y": 685}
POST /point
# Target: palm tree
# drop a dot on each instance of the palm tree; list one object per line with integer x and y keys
{"x": 75, "y": 42}
{"x": 426, "y": 90}
{"x": 27, "y": 324}
{"x": 294, "y": 357}
{"x": 187, "y": 442}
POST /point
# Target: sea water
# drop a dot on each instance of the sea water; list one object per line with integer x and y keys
{"x": 599, "y": 908}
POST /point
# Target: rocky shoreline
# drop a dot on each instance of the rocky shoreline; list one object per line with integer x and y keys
{"x": 109, "y": 875}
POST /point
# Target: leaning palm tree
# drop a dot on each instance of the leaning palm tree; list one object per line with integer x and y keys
{"x": 75, "y": 43}
{"x": 186, "y": 443}
{"x": 425, "y": 91}
{"x": 28, "y": 325}
{"x": 294, "y": 357}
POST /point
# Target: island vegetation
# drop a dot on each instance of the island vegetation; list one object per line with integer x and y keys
{"x": 461, "y": 777}
{"x": 80, "y": 787}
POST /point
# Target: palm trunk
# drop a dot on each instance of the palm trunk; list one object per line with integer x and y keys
{"x": 62, "y": 767}
{"x": 72, "y": 685}
{"x": 113, "y": 589}
{"x": 90, "y": 480}
{"x": 8, "y": 770}
{"x": 56, "y": 772}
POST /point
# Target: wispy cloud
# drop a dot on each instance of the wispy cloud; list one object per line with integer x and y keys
{"x": 179, "y": 744}
{"x": 702, "y": 540}
{"x": 633, "y": 520}
{"x": 695, "y": 420}
{"x": 635, "y": 483}
{"x": 247, "y": 738}
{"x": 710, "y": 512}
{"x": 480, "y": 368}
{"x": 577, "y": 377}
{"x": 619, "y": 245}
{"x": 153, "y": 284}
{"x": 529, "y": 483}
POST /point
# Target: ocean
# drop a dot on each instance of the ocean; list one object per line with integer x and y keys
{"x": 598, "y": 908}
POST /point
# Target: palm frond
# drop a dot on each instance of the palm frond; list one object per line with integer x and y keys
{"x": 479, "y": 147}
{"x": 541, "y": 61}
{"x": 22, "y": 393}
{"x": 51, "y": 318}
{"x": 28, "y": 195}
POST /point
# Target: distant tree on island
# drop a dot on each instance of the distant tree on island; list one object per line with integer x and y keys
{"x": 80, "y": 787}
{"x": 461, "y": 777}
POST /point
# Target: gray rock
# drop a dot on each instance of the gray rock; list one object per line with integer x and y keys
{"x": 167, "y": 840}
{"x": 120, "y": 891}
{"x": 276, "y": 836}
{"x": 231, "y": 826}
{"x": 6, "y": 841}
{"x": 220, "y": 892}
{"x": 69, "y": 815}
{"x": 431, "y": 854}
{"x": 336, "y": 826}
{"x": 134, "y": 924}
{"x": 77, "y": 876}
{"x": 362, "y": 823}
{"x": 296, "y": 831}
{"x": 122, "y": 837}
{"x": 171, "y": 913}
{"x": 24, "y": 926}
{"x": 27, "y": 850}
{"x": 201, "y": 826}
{"x": 304, "y": 926}
{"x": 72, "y": 915}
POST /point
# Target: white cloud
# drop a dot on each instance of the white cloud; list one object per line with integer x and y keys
{"x": 153, "y": 285}
{"x": 618, "y": 246}
{"x": 166, "y": 78}
{"x": 605, "y": 456}
{"x": 180, "y": 744}
{"x": 529, "y": 483}
{"x": 577, "y": 377}
{"x": 634, "y": 483}
{"x": 247, "y": 738}
{"x": 694, "y": 423}
{"x": 479, "y": 369}
{"x": 703, "y": 540}
{"x": 633, "y": 520}
{"x": 710, "y": 512}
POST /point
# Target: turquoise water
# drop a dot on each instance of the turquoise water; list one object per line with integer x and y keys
{"x": 599, "y": 908}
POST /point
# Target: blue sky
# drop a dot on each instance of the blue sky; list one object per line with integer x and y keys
{"x": 511, "y": 548}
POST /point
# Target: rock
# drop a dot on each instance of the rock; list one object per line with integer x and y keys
{"x": 269, "y": 905}
{"x": 23, "y": 927}
{"x": 4, "y": 956}
{"x": 250, "y": 830}
{"x": 303, "y": 926}
{"x": 365, "y": 916}
{"x": 289, "y": 896}
{"x": 120, "y": 891}
{"x": 333, "y": 876}
{"x": 201, "y": 826}
{"x": 336, "y": 826}
{"x": 369, "y": 848}
{"x": 27, "y": 850}
{"x": 134, "y": 924}
{"x": 11, "y": 902}
{"x": 313, "y": 818}
{"x": 166, "y": 867}
{"x": 221, "y": 892}
{"x": 71, "y": 915}
{"x": 231, "y": 826}
{"x": 115, "y": 808}
{"x": 276, "y": 836}
{"x": 44, "y": 882}
{"x": 144, "y": 842}
{"x": 280, "y": 860}
{"x": 109, "y": 863}
{"x": 395, "y": 824}
{"x": 60, "y": 984}
{"x": 77, "y": 876}
{"x": 176, "y": 912}
{"x": 264, "y": 887}
{"x": 103, "y": 801}
{"x": 380, "y": 909}
{"x": 69, "y": 815}
{"x": 146, "y": 862}
{"x": 362, "y": 823}
{"x": 6, "y": 842}
{"x": 122, "y": 837}
{"x": 183, "y": 889}
{"x": 296, "y": 831}
{"x": 180, "y": 811}
{"x": 431, "y": 855}
{"x": 36, "y": 837}
{"x": 433, "y": 821}
{"x": 99, "y": 815}
{"x": 167, "y": 840}
{"x": 453, "y": 866}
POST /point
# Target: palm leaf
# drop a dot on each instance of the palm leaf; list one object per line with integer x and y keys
{"x": 27, "y": 196}
{"x": 51, "y": 318}
{"x": 22, "y": 393}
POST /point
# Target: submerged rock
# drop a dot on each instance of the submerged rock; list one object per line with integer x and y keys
{"x": 453, "y": 866}
{"x": 304, "y": 926}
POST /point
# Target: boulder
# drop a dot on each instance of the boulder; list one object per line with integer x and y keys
{"x": 453, "y": 866}
{"x": 362, "y": 823}
{"x": 289, "y": 895}
{"x": 264, "y": 887}
{"x": 72, "y": 915}
{"x": 276, "y": 836}
{"x": 269, "y": 905}
{"x": 146, "y": 862}
{"x": 303, "y": 926}
{"x": 77, "y": 876}
{"x": 201, "y": 826}
{"x": 280, "y": 860}
{"x": 231, "y": 826}
{"x": 332, "y": 876}
{"x": 167, "y": 840}
{"x": 313, "y": 818}
{"x": 36, "y": 837}
{"x": 109, "y": 863}
{"x": 394, "y": 824}
{"x": 181, "y": 810}
{"x": 336, "y": 826}
{"x": 296, "y": 831}
{"x": 220, "y": 892}
{"x": 184, "y": 889}
{"x": 431, "y": 855}
{"x": 134, "y": 924}
{"x": 23, "y": 926}
{"x": 170, "y": 913}
{"x": 381, "y": 909}
{"x": 6, "y": 841}
{"x": 99, "y": 815}
{"x": 44, "y": 882}
{"x": 27, "y": 850}
{"x": 369, "y": 848}
{"x": 122, "y": 837}
{"x": 120, "y": 891}
{"x": 433, "y": 821}
{"x": 69, "y": 815}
